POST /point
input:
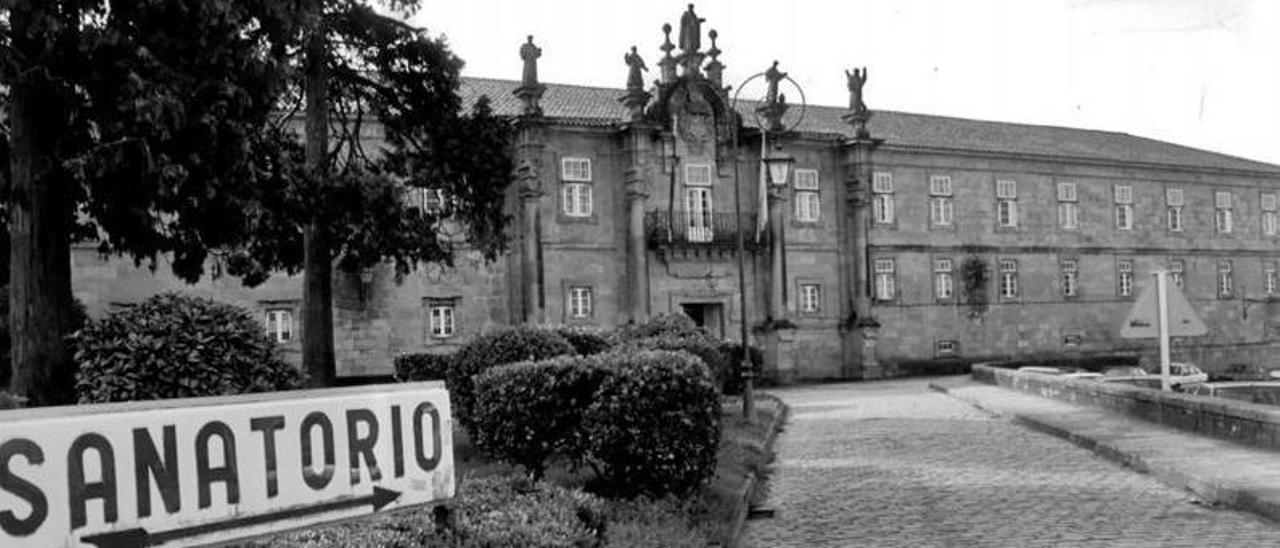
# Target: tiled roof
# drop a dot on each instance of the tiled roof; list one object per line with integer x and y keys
{"x": 593, "y": 106}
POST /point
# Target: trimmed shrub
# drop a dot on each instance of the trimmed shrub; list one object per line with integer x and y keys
{"x": 723, "y": 370}
{"x": 655, "y": 423}
{"x": 506, "y": 511}
{"x": 174, "y": 346}
{"x": 529, "y": 411}
{"x": 422, "y": 367}
{"x": 585, "y": 342}
{"x": 662, "y": 325}
{"x": 511, "y": 345}
{"x": 10, "y": 401}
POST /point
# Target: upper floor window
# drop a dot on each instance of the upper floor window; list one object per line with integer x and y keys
{"x": 941, "y": 210}
{"x": 1226, "y": 280}
{"x": 1068, "y": 206}
{"x": 808, "y": 200}
{"x": 1006, "y": 203}
{"x": 1124, "y": 207}
{"x": 576, "y": 199}
{"x": 698, "y": 208}
{"x": 882, "y": 197}
{"x": 810, "y": 298}
{"x": 1269, "y": 220}
{"x": 279, "y": 324}
{"x": 1124, "y": 277}
{"x": 1174, "y": 203}
{"x": 697, "y": 175}
{"x": 1269, "y": 280}
{"x": 886, "y": 280}
{"x": 1008, "y": 278}
{"x": 943, "y": 279}
{"x": 1223, "y": 215}
{"x": 1070, "y": 278}
{"x": 575, "y": 169}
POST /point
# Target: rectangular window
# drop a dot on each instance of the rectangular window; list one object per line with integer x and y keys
{"x": 1068, "y": 208}
{"x": 940, "y": 185}
{"x": 941, "y": 210}
{"x": 1173, "y": 197}
{"x": 943, "y": 279}
{"x": 1269, "y": 280}
{"x": 1072, "y": 337}
{"x": 1223, "y": 215}
{"x": 697, "y": 205}
{"x": 1008, "y": 278}
{"x": 1006, "y": 203}
{"x": 944, "y": 349}
{"x": 1270, "y": 223}
{"x": 580, "y": 301}
{"x": 1124, "y": 277}
{"x": 1226, "y": 281}
{"x": 575, "y": 199}
{"x": 433, "y": 200}
{"x": 1176, "y": 268}
{"x": 279, "y": 324}
{"x": 1006, "y": 189}
{"x": 575, "y": 169}
{"x": 441, "y": 320}
{"x": 1124, "y": 207}
{"x": 808, "y": 206}
{"x": 885, "y": 280}
{"x": 810, "y": 298}
{"x": 807, "y": 179}
{"x": 1070, "y": 278}
{"x": 1175, "y": 218}
{"x": 882, "y": 197}
{"x": 697, "y": 175}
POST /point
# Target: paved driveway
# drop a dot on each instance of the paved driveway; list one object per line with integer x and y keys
{"x": 895, "y": 464}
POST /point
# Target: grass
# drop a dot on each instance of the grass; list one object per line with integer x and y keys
{"x": 703, "y": 518}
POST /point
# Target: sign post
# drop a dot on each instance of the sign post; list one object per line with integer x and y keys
{"x": 202, "y": 470}
{"x": 1162, "y": 312}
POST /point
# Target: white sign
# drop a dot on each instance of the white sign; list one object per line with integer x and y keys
{"x": 200, "y": 470}
{"x": 1143, "y": 319}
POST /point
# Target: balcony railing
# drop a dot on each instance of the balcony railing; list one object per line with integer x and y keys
{"x": 684, "y": 229}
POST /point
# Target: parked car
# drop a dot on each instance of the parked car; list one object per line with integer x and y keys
{"x": 1264, "y": 392}
{"x": 1183, "y": 373}
{"x": 1244, "y": 372}
{"x": 1125, "y": 371}
{"x": 1040, "y": 370}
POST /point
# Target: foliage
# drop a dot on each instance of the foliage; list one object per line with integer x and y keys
{"x": 508, "y": 345}
{"x": 505, "y": 511}
{"x": 585, "y": 341}
{"x": 527, "y": 412}
{"x": 173, "y": 346}
{"x": 731, "y": 378}
{"x": 422, "y": 366}
{"x": 654, "y": 424}
{"x": 645, "y": 522}
{"x": 975, "y": 277}
{"x": 723, "y": 369}
{"x": 662, "y": 325}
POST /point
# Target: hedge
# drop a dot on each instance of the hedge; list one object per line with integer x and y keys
{"x": 509, "y": 345}
{"x": 422, "y": 367}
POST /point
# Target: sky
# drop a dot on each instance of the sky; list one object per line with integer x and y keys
{"x": 1202, "y": 73}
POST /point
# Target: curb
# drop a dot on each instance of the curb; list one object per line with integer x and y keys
{"x": 1253, "y": 501}
{"x": 744, "y": 496}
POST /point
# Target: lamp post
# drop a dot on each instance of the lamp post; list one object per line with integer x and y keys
{"x": 778, "y": 169}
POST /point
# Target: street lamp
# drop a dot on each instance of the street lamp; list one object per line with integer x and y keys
{"x": 778, "y": 168}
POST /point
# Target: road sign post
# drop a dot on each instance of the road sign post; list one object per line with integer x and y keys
{"x": 201, "y": 470}
{"x": 1162, "y": 312}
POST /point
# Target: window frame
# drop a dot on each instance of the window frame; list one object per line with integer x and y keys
{"x": 444, "y": 329}
{"x": 810, "y": 298}
{"x": 690, "y": 180}
{"x": 803, "y": 174}
{"x": 574, "y": 308}
{"x": 1124, "y": 277}
{"x": 574, "y": 174}
{"x": 944, "y": 275}
{"x": 280, "y": 332}
{"x": 569, "y": 205}
{"x": 1068, "y": 205}
{"x": 1177, "y": 272}
{"x": 808, "y": 209}
{"x": 886, "y": 279}
{"x": 1070, "y": 277}
{"x": 1226, "y": 279}
{"x": 1008, "y": 281}
{"x": 1223, "y": 212}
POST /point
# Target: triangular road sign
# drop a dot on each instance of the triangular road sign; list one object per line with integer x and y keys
{"x": 1141, "y": 321}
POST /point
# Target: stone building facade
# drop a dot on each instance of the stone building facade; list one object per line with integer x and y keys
{"x": 870, "y": 258}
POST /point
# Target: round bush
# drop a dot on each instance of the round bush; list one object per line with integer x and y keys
{"x": 173, "y": 346}
{"x": 422, "y": 367}
{"x": 511, "y": 345}
{"x": 662, "y": 325}
{"x": 529, "y": 411}
{"x": 585, "y": 342}
{"x": 507, "y": 511}
{"x": 722, "y": 368}
{"x": 655, "y": 423}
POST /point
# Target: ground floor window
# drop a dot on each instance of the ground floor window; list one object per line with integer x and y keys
{"x": 279, "y": 323}
{"x": 442, "y": 316}
{"x": 580, "y": 301}
{"x": 810, "y": 298}
{"x": 886, "y": 281}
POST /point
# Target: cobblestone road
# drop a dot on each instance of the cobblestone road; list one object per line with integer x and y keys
{"x": 896, "y": 464}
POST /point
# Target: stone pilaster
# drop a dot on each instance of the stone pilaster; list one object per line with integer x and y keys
{"x": 864, "y": 331}
{"x": 777, "y": 306}
{"x": 529, "y": 148}
{"x": 637, "y": 194}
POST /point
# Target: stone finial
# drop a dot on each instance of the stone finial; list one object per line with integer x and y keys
{"x": 668, "y": 63}
{"x": 715, "y": 69}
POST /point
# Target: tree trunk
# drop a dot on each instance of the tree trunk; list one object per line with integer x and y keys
{"x": 317, "y": 296}
{"x": 39, "y": 236}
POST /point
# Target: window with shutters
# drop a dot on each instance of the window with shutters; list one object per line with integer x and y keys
{"x": 1173, "y": 203}
{"x": 575, "y": 199}
{"x": 882, "y": 198}
{"x": 1068, "y": 206}
{"x": 1008, "y": 279}
{"x": 941, "y": 208}
{"x": 279, "y": 324}
{"x": 808, "y": 199}
{"x": 943, "y": 279}
{"x": 1006, "y": 204}
{"x": 1224, "y": 215}
{"x": 1124, "y": 277}
{"x": 886, "y": 280}
{"x": 1124, "y": 207}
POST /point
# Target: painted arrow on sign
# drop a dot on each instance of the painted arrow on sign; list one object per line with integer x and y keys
{"x": 140, "y": 538}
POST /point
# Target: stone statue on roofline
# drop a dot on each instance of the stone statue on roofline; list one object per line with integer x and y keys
{"x": 773, "y": 76}
{"x": 855, "y": 80}
{"x": 690, "y": 31}
{"x": 635, "y": 64}
{"x": 530, "y": 54}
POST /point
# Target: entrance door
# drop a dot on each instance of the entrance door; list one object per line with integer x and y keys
{"x": 707, "y": 315}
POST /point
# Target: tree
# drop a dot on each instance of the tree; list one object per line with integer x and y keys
{"x": 361, "y": 70}
{"x": 133, "y": 122}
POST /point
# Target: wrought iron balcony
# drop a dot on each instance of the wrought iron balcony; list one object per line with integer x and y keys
{"x": 680, "y": 229}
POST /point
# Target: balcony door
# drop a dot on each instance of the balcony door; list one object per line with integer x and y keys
{"x": 697, "y": 207}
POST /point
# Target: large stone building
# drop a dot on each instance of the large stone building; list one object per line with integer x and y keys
{"x": 898, "y": 238}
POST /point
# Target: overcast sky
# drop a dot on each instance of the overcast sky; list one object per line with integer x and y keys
{"x": 1204, "y": 73}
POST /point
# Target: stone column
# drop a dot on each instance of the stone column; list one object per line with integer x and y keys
{"x": 637, "y": 191}
{"x": 528, "y": 174}
{"x": 777, "y": 308}
{"x": 865, "y": 329}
